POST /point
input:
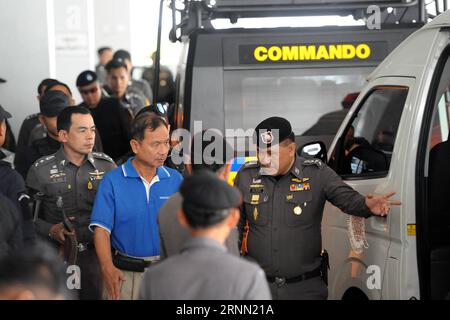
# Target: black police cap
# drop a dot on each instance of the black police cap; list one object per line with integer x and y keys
{"x": 206, "y": 199}
{"x": 86, "y": 78}
{"x": 115, "y": 64}
{"x": 53, "y": 102}
{"x": 272, "y": 131}
{"x": 4, "y": 114}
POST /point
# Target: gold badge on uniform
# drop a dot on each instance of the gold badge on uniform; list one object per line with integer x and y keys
{"x": 296, "y": 180}
{"x": 255, "y": 199}
{"x": 90, "y": 186}
{"x": 298, "y": 210}
{"x": 255, "y": 214}
{"x": 289, "y": 197}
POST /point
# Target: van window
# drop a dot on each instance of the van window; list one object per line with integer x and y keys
{"x": 300, "y": 95}
{"x": 440, "y": 128}
{"x": 365, "y": 149}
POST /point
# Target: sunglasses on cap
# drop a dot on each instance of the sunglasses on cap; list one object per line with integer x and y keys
{"x": 159, "y": 108}
{"x": 87, "y": 91}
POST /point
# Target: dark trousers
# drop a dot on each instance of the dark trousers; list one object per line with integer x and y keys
{"x": 91, "y": 276}
{"x": 311, "y": 289}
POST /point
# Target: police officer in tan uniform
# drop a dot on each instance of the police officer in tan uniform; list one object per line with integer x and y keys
{"x": 73, "y": 173}
{"x": 284, "y": 197}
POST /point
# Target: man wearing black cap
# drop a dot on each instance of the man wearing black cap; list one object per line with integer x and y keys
{"x": 111, "y": 118}
{"x": 172, "y": 235}
{"x": 50, "y": 105}
{"x": 32, "y": 120}
{"x": 73, "y": 173}
{"x": 118, "y": 85}
{"x": 203, "y": 270}
{"x": 284, "y": 197}
{"x": 139, "y": 85}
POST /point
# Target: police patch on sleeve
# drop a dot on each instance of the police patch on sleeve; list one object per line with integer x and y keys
{"x": 313, "y": 162}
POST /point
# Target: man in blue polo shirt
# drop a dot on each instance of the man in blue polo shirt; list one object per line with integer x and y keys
{"x": 124, "y": 218}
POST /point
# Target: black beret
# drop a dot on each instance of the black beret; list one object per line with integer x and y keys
{"x": 115, "y": 64}
{"x": 205, "y": 196}
{"x": 122, "y": 55}
{"x": 53, "y": 102}
{"x": 4, "y": 114}
{"x": 272, "y": 131}
{"x": 86, "y": 78}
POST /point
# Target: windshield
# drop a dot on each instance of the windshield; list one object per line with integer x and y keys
{"x": 300, "y": 95}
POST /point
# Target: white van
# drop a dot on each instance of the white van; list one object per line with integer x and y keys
{"x": 395, "y": 138}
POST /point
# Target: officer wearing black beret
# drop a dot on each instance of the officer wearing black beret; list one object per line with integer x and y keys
{"x": 111, "y": 119}
{"x": 209, "y": 211}
{"x": 51, "y": 104}
{"x": 284, "y": 197}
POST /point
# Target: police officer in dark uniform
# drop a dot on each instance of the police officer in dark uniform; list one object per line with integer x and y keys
{"x": 118, "y": 81}
{"x": 139, "y": 85}
{"x": 50, "y": 105}
{"x": 72, "y": 173}
{"x": 284, "y": 197}
{"x": 32, "y": 120}
{"x": 166, "y": 90}
{"x": 112, "y": 120}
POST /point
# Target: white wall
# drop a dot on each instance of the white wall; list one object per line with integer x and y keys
{"x": 112, "y": 23}
{"x": 24, "y": 55}
{"x": 73, "y": 40}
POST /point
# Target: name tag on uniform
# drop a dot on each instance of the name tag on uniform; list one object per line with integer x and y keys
{"x": 256, "y": 188}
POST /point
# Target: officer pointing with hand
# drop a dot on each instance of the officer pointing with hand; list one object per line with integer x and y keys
{"x": 284, "y": 198}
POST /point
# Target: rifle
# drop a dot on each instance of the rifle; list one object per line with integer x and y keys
{"x": 37, "y": 204}
{"x": 70, "y": 247}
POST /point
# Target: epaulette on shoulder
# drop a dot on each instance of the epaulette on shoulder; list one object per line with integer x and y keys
{"x": 250, "y": 165}
{"x": 313, "y": 162}
{"x": 32, "y": 116}
{"x": 101, "y": 155}
{"x": 44, "y": 160}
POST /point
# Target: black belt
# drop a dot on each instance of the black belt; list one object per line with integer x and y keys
{"x": 305, "y": 276}
{"x": 128, "y": 263}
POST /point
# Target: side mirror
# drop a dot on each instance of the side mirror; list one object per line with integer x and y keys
{"x": 316, "y": 150}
